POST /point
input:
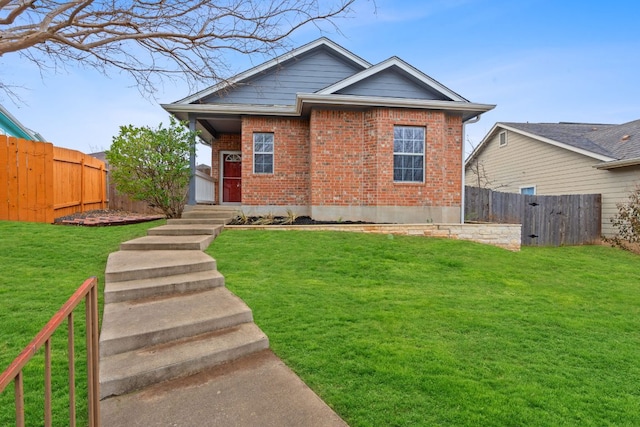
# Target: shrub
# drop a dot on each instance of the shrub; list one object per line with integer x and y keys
{"x": 152, "y": 165}
{"x": 627, "y": 221}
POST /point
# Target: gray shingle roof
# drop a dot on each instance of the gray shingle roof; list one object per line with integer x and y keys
{"x": 616, "y": 141}
{"x": 622, "y": 140}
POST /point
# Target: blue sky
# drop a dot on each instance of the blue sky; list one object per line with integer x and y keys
{"x": 539, "y": 61}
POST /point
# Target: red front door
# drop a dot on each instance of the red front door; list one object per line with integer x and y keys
{"x": 231, "y": 178}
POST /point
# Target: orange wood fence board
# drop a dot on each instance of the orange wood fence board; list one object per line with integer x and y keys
{"x": 39, "y": 182}
{"x": 48, "y": 182}
{"x": 12, "y": 159}
{"x": 4, "y": 178}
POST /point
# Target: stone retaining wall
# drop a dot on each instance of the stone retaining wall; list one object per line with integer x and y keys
{"x": 505, "y": 236}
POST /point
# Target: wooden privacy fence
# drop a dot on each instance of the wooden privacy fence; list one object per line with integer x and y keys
{"x": 546, "y": 220}
{"x": 40, "y": 182}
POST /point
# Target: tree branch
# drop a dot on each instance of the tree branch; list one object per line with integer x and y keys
{"x": 151, "y": 39}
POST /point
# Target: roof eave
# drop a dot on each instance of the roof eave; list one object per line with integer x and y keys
{"x": 201, "y": 110}
{"x": 618, "y": 164}
{"x": 312, "y": 99}
{"x": 471, "y": 109}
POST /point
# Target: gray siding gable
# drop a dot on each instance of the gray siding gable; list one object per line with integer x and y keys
{"x": 394, "y": 83}
{"x": 278, "y": 85}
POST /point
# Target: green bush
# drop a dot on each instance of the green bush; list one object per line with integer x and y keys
{"x": 152, "y": 165}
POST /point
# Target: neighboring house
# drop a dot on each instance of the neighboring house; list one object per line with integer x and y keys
{"x": 9, "y": 125}
{"x": 321, "y": 132}
{"x": 205, "y": 169}
{"x": 560, "y": 158}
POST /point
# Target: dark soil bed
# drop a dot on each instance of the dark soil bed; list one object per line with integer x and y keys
{"x": 283, "y": 220}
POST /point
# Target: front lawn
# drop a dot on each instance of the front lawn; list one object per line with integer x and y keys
{"x": 41, "y": 265}
{"x": 408, "y": 331}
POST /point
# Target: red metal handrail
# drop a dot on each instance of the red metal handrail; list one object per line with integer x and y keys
{"x": 88, "y": 291}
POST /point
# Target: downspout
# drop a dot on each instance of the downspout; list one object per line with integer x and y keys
{"x": 192, "y": 162}
{"x": 464, "y": 124}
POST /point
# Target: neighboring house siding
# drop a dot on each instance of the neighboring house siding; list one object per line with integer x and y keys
{"x": 527, "y": 162}
{"x": 390, "y": 83}
{"x": 306, "y": 74}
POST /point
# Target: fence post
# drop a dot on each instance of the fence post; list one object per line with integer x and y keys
{"x": 103, "y": 184}
{"x": 82, "y": 184}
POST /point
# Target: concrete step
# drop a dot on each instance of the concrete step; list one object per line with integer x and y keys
{"x": 199, "y": 221}
{"x": 161, "y": 286}
{"x": 185, "y": 230}
{"x": 136, "y": 324}
{"x": 168, "y": 243}
{"x": 200, "y": 213}
{"x": 126, "y": 372}
{"x": 216, "y": 208}
{"x": 135, "y": 265}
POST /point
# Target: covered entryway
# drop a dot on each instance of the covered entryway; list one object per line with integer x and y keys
{"x": 231, "y": 177}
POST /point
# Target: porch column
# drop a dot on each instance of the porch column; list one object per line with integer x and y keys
{"x": 192, "y": 163}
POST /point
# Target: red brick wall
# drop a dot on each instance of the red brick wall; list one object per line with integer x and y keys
{"x": 443, "y": 158}
{"x": 289, "y": 183}
{"x": 338, "y": 159}
{"x": 352, "y": 154}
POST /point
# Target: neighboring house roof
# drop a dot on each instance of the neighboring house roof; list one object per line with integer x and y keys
{"x": 320, "y": 73}
{"x": 613, "y": 145}
{"x": 9, "y": 125}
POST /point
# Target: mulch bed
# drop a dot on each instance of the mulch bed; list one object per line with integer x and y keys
{"x": 97, "y": 218}
{"x": 282, "y": 220}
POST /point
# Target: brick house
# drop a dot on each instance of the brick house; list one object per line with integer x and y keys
{"x": 322, "y": 132}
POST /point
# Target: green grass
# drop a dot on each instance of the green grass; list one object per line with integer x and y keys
{"x": 409, "y": 331}
{"x": 41, "y": 265}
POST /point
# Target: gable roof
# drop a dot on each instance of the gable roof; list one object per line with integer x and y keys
{"x": 613, "y": 145}
{"x": 320, "y": 73}
{"x": 396, "y": 64}
{"x": 322, "y": 42}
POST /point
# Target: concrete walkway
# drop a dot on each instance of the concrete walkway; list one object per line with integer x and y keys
{"x": 178, "y": 349}
{"x": 257, "y": 390}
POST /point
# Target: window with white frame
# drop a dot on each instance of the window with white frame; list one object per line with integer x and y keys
{"x": 408, "y": 153}
{"x": 528, "y": 191}
{"x": 502, "y": 136}
{"x": 263, "y": 152}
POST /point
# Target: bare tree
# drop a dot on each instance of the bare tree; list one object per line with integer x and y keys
{"x": 154, "y": 39}
{"x": 476, "y": 168}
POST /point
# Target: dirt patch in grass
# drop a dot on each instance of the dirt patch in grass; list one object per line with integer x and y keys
{"x": 105, "y": 217}
{"x": 624, "y": 245}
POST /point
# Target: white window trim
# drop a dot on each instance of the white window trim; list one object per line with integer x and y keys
{"x": 500, "y": 143}
{"x": 535, "y": 190}
{"x": 272, "y": 152}
{"x": 424, "y": 154}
